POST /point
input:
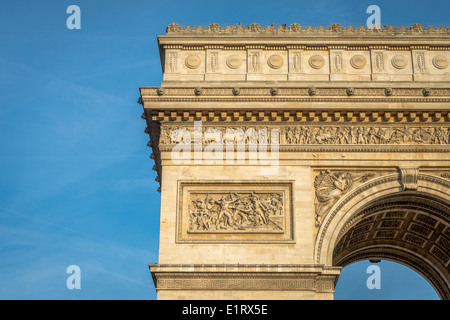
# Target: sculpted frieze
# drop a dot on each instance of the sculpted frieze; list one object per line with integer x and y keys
{"x": 318, "y": 135}
{"x": 346, "y": 135}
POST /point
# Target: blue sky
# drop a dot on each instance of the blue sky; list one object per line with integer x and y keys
{"x": 76, "y": 181}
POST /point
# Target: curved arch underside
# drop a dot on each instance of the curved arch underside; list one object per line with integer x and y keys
{"x": 411, "y": 228}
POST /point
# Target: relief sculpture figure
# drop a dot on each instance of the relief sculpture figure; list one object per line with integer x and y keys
{"x": 330, "y": 186}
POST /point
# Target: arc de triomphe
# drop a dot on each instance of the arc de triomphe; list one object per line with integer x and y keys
{"x": 285, "y": 153}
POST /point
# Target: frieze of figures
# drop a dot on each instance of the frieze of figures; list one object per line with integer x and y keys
{"x": 311, "y": 135}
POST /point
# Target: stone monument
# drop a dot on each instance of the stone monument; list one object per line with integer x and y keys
{"x": 286, "y": 153}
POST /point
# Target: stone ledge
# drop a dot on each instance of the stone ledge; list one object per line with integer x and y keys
{"x": 316, "y": 278}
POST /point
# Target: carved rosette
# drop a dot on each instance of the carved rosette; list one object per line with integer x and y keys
{"x": 440, "y": 62}
{"x": 316, "y": 61}
{"x": 399, "y": 62}
{"x": 193, "y": 61}
{"x": 275, "y": 61}
{"x": 358, "y": 61}
{"x": 234, "y": 61}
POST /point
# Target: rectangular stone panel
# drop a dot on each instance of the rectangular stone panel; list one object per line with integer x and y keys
{"x": 235, "y": 211}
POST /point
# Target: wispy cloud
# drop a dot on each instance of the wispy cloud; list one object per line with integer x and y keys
{"x": 50, "y": 248}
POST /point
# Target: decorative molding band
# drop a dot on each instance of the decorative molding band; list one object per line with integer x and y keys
{"x": 287, "y": 47}
{"x": 296, "y": 29}
{"x": 286, "y": 118}
{"x": 341, "y": 149}
{"x": 233, "y": 282}
{"x": 245, "y": 277}
{"x": 298, "y": 99}
{"x": 291, "y": 93}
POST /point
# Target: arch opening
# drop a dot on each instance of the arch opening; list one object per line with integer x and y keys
{"x": 393, "y": 280}
{"x": 411, "y": 228}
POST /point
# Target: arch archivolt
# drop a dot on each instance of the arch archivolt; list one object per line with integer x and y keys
{"x": 380, "y": 219}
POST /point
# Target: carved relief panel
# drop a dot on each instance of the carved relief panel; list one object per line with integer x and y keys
{"x": 218, "y": 211}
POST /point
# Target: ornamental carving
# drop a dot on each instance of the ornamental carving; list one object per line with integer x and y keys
{"x": 254, "y": 27}
{"x": 330, "y": 186}
{"x": 173, "y": 28}
{"x": 336, "y": 27}
{"x": 296, "y": 61}
{"x": 214, "y": 27}
{"x": 416, "y": 27}
{"x": 214, "y": 61}
{"x": 244, "y": 280}
{"x": 379, "y": 61}
{"x": 254, "y": 62}
{"x": 173, "y": 62}
{"x": 421, "y": 61}
{"x": 338, "y": 62}
{"x": 295, "y": 28}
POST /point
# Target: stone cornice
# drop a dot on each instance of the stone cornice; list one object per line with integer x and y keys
{"x": 245, "y": 277}
{"x": 365, "y": 45}
{"x": 212, "y": 268}
{"x": 289, "y": 117}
